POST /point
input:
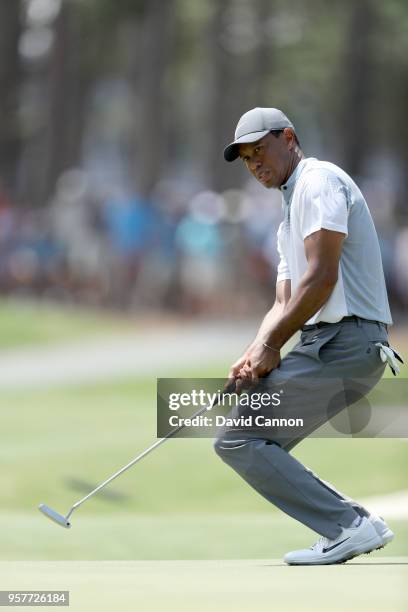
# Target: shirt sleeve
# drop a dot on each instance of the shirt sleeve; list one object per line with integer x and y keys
{"x": 283, "y": 272}
{"x": 323, "y": 205}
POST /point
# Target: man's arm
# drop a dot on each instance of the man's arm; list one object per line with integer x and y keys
{"x": 283, "y": 289}
{"x": 323, "y": 250}
{"x": 273, "y": 315}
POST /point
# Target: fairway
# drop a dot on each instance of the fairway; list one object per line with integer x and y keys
{"x": 26, "y": 323}
{"x": 180, "y": 531}
{"x": 172, "y": 535}
{"x": 181, "y": 502}
{"x": 364, "y": 584}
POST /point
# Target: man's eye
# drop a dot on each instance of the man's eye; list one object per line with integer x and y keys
{"x": 258, "y": 149}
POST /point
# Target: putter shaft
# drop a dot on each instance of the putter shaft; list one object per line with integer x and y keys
{"x": 52, "y": 514}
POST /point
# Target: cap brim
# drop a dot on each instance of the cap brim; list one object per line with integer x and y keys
{"x": 231, "y": 152}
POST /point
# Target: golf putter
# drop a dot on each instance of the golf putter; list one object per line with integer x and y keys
{"x": 64, "y": 521}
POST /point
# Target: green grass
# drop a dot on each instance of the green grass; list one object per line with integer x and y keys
{"x": 182, "y": 586}
{"x": 51, "y": 436}
{"x": 181, "y": 502}
{"x": 196, "y": 535}
{"x": 29, "y": 323}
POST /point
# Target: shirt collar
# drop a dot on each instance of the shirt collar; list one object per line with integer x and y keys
{"x": 288, "y": 187}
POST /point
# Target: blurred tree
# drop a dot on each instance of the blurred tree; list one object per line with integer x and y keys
{"x": 393, "y": 97}
{"x": 81, "y": 55}
{"x": 264, "y": 61}
{"x": 358, "y": 84}
{"x": 67, "y": 95}
{"x": 400, "y": 144}
{"x": 193, "y": 68}
{"x": 56, "y": 88}
{"x": 10, "y": 80}
{"x": 241, "y": 65}
{"x": 151, "y": 57}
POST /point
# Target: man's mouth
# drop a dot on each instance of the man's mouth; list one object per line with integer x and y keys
{"x": 263, "y": 176}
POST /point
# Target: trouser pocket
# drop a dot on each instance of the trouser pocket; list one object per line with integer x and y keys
{"x": 316, "y": 342}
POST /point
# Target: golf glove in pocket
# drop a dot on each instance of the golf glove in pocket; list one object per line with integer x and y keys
{"x": 390, "y": 355}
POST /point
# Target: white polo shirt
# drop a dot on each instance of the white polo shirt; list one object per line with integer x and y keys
{"x": 319, "y": 195}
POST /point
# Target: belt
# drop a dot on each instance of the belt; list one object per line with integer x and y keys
{"x": 354, "y": 318}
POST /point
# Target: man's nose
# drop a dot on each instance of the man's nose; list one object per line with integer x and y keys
{"x": 254, "y": 164}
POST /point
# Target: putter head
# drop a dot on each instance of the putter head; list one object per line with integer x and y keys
{"x": 54, "y": 516}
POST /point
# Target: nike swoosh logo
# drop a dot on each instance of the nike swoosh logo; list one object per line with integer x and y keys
{"x": 325, "y": 550}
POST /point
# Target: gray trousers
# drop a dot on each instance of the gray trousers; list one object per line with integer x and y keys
{"x": 337, "y": 354}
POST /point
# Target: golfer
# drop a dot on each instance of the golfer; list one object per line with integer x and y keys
{"x": 330, "y": 285}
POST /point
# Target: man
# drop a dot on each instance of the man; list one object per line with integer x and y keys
{"x": 330, "y": 285}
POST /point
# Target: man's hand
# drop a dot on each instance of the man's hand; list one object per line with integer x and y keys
{"x": 256, "y": 363}
{"x": 236, "y": 367}
{"x": 260, "y": 361}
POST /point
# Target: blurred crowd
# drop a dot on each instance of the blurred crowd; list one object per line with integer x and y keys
{"x": 182, "y": 249}
{"x": 85, "y": 121}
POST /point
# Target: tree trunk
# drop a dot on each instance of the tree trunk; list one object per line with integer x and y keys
{"x": 148, "y": 74}
{"x": 358, "y": 85}
{"x": 10, "y": 76}
{"x": 67, "y": 91}
{"x": 240, "y": 62}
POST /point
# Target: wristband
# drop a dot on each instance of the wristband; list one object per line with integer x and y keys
{"x": 272, "y": 348}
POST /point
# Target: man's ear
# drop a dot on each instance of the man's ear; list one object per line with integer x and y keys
{"x": 289, "y": 135}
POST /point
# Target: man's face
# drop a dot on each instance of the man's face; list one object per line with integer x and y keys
{"x": 269, "y": 159}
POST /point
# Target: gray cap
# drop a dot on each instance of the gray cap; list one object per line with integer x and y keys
{"x": 254, "y": 125}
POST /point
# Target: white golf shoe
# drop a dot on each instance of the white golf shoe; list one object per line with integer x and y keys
{"x": 351, "y": 542}
{"x": 382, "y": 529}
